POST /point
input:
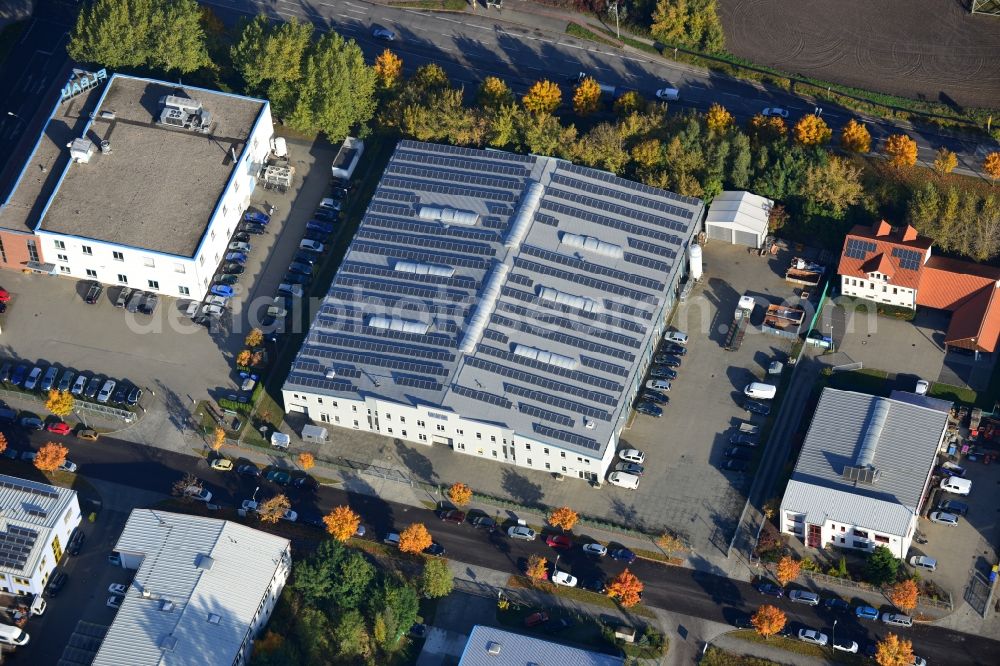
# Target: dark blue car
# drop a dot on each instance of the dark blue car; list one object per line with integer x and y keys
{"x": 237, "y": 257}
{"x": 256, "y": 216}
{"x": 223, "y": 290}
{"x": 20, "y": 372}
{"x": 623, "y": 555}
{"x": 321, "y": 227}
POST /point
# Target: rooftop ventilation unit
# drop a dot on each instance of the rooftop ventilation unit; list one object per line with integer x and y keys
{"x": 81, "y": 150}
{"x": 399, "y": 324}
{"x": 876, "y": 422}
{"x": 525, "y": 214}
{"x": 591, "y": 244}
{"x": 205, "y": 562}
{"x": 543, "y": 356}
{"x": 485, "y": 306}
{"x": 184, "y": 113}
{"x": 167, "y": 605}
{"x": 448, "y": 215}
{"x": 493, "y": 648}
{"x": 562, "y": 298}
{"x": 214, "y": 618}
{"x": 423, "y": 269}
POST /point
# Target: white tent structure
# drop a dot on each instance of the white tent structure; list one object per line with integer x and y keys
{"x": 739, "y": 218}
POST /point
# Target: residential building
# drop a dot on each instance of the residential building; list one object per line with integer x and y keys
{"x": 489, "y": 646}
{"x": 203, "y": 590}
{"x": 135, "y": 182}
{"x": 506, "y": 306}
{"x": 895, "y": 266}
{"x": 739, "y": 218}
{"x": 864, "y": 470}
{"x": 36, "y": 521}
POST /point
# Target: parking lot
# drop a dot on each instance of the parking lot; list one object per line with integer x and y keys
{"x": 174, "y": 360}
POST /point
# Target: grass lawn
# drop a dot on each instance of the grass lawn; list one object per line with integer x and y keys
{"x": 716, "y": 657}
{"x": 798, "y": 647}
{"x": 585, "y": 631}
{"x": 577, "y": 594}
{"x": 960, "y": 394}
{"x": 577, "y": 30}
{"x": 866, "y": 380}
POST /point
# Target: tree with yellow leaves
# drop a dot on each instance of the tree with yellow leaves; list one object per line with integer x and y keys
{"x": 494, "y": 93}
{"x": 629, "y": 102}
{"x": 718, "y": 118}
{"x": 671, "y": 544}
{"x": 342, "y": 523}
{"x": 218, "y": 439}
{"x": 991, "y": 165}
{"x": 564, "y": 518}
{"x": 538, "y": 568}
{"x": 274, "y": 509}
{"x": 414, "y": 539}
{"x": 3, "y": 442}
{"x": 903, "y": 595}
{"x": 243, "y": 358}
{"x": 254, "y": 338}
{"x": 626, "y": 588}
{"x": 787, "y": 570}
{"x": 60, "y": 403}
{"x": 901, "y": 151}
{"x": 894, "y": 651}
{"x": 766, "y": 128}
{"x": 388, "y": 67}
{"x": 587, "y": 96}
{"x": 945, "y": 161}
{"x": 307, "y": 460}
{"x": 460, "y": 494}
{"x": 811, "y": 130}
{"x": 50, "y": 457}
{"x": 543, "y": 97}
{"x": 768, "y": 620}
{"x": 855, "y": 137}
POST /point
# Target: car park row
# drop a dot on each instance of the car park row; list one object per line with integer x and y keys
{"x": 83, "y": 385}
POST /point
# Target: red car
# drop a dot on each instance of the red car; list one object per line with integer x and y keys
{"x": 559, "y": 541}
{"x": 453, "y": 516}
{"x": 4, "y": 295}
{"x": 536, "y": 619}
{"x": 58, "y": 428}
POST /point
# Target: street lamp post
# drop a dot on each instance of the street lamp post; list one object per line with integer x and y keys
{"x": 834, "y": 634}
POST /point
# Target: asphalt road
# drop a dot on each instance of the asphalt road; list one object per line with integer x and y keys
{"x": 471, "y": 47}
{"x": 677, "y": 589}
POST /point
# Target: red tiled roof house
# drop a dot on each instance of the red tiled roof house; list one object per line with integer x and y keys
{"x": 893, "y": 265}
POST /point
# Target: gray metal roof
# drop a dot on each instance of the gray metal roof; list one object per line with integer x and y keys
{"x": 849, "y": 429}
{"x": 527, "y": 324}
{"x": 28, "y": 512}
{"x": 158, "y": 188}
{"x": 517, "y": 650}
{"x": 231, "y": 585}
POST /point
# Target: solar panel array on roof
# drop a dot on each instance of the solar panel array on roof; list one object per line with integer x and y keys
{"x": 908, "y": 259}
{"x": 479, "y": 275}
{"x": 858, "y": 248}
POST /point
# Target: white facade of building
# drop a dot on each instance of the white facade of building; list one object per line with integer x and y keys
{"x": 856, "y": 537}
{"x": 877, "y": 288}
{"x": 40, "y": 516}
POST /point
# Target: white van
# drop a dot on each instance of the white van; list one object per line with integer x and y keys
{"x": 13, "y": 635}
{"x": 923, "y": 562}
{"x": 668, "y": 94}
{"x": 956, "y": 485}
{"x": 280, "y": 440}
{"x": 200, "y": 494}
{"x": 658, "y": 384}
{"x": 624, "y": 480}
{"x": 760, "y": 391}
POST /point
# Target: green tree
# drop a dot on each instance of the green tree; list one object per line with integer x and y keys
{"x": 831, "y": 187}
{"x": 269, "y": 57}
{"x": 924, "y": 208}
{"x": 603, "y": 147}
{"x": 165, "y": 35}
{"x": 313, "y": 632}
{"x": 986, "y": 237}
{"x": 351, "y": 636}
{"x": 397, "y": 605}
{"x": 947, "y": 219}
{"x": 503, "y": 130}
{"x": 689, "y": 23}
{"x": 740, "y": 161}
{"x": 337, "y": 90}
{"x": 543, "y": 134}
{"x": 966, "y": 218}
{"x": 436, "y": 579}
{"x": 333, "y": 574}
{"x": 881, "y": 567}
{"x": 494, "y": 93}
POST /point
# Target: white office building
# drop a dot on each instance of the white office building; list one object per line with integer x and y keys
{"x": 141, "y": 183}
{"x": 36, "y": 521}
{"x": 203, "y": 590}
{"x": 506, "y": 306}
{"x": 864, "y": 470}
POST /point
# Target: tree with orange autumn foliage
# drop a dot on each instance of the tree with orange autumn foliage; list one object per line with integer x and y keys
{"x": 903, "y": 595}
{"x": 218, "y": 439}
{"x": 787, "y": 570}
{"x": 388, "y": 67}
{"x": 50, "y": 456}
{"x": 538, "y": 568}
{"x": 991, "y": 165}
{"x": 274, "y": 509}
{"x": 894, "y": 651}
{"x": 564, "y": 518}
{"x": 460, "y": 494}
{"x": 3, "y": 443}
{"x": 587, "y": 96}
{"x": 342, "y": 523}
{"x": 901, "y": 151}
{"x": 855, "y": 137}
{"x": 811, "y": 130}
{"x": 307, "y": 460}
{"x": 414, "y": 539}
{"x": 768, "y": 620}
{"x": 626, "y": 588}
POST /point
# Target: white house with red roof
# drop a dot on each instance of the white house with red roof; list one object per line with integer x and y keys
{"x": 893, "y": 265}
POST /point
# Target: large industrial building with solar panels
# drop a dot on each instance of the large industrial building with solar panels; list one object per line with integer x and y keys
{"x": 504, "y": 305}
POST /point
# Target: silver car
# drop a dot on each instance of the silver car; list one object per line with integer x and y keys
{"x": 521, "y": 533}
{"x": 106, "y": 391}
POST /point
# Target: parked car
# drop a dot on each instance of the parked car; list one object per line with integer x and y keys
{"x": 114, "y": 602}
{"x": 75, "y": 543}
{"x": 48, "y": 379}
{"x": 148, "y": 304}
{"x": 743, "y": 439}
{"x": 484, "y": 522}
{"x": 654, "y": 397}
{"x": 452, "y": 516}
{"x": 117, "y": 588}
{"x": 66, "y": 381}
{"x": 306, "y": 244}
{"x": 669, "y": 360}
{"x": 735, "y": 465}
{"x": 677, "y": 337}
{"x": 804, "y": 597}
{"x": 435, "y": 549}
{"x": 87, "y": 433}
{"x": 302, "y": 269}
{"x": 233, "y": 269}
{"x": 944, "y": 518}
{"x": 221, "y": 464}
{"x": 954, "y": 484}
{"x": 57, "y": 581}
{"x": 68, "y": 466}
{"x": 32, "y": 423}
{"x": 5, "y": 371}
{"x": 291, "y": 289}
{"x": 596, "y": 584}
{"x": 106, "y": 391}
{"x": 256, "y": 216}
{"x": 94, "y": 291}
{"x": 558, "y": 541}
{"x": 521, "y": 533}
{"x": 213, "y": 311}
{"x": 58, "y": 428}
{"x": 536, "y": 619}
{"x": 632, "y": 455}
{"x": 223, "y": 290}
{"x": 118, "y": 397}
{"x": 738, "y": 453}
{"x": 897, "y": 619}
{"x": 672, "y": 348}
{"x": 866, "y": 613}
{"x": 594, "y": 549}
{"x": 248, "y": 469}
{"x": 564, "y": 578}
{"x": 122, "y": 297}
{"x": 391, "y": 539}
{"x": 241, "y": 237}
{"x": 227, "y": 278}
{"x": 836, "y": 604}
{"x": 304, "y": 257}
{"x": 79, "y": 385}
{"x": 757, "y": 407}
{"x": 622, "y": 555}
{"x": 327, "y": 215}
{"x": 278, "y": 476}
{"x": 239, "y": 246}
{"x": 649, "y": 409}
{"x": 846, "y": 645}
{"x": 134, "y": 301}
{"x": 954, "y": 506}
{"x": 93, "y": 386}
{"x": 31, "y": 383}
{"x": 771, "y": 590}
{"x": 813, "y": 636}
{"x": 296, "y": 278}
{"x": 254, "y": 228}
{"x": 20, "y": 372}
{"x": 319, "y": 226}
{"x": 630, "y": 468}
{"x": 238, "y": 257}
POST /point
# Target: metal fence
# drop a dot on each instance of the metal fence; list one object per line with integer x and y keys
{"x": 78, "y": 406}
{"x": 824, "y": 580}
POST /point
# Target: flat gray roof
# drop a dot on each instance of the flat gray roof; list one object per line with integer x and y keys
{"x": 158, "y": 188}
{"x": 532, "y": 289}
{"x": 900, "y": 438}
{"x": 489, "y": 646}
{"x": 28, "y": 512}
